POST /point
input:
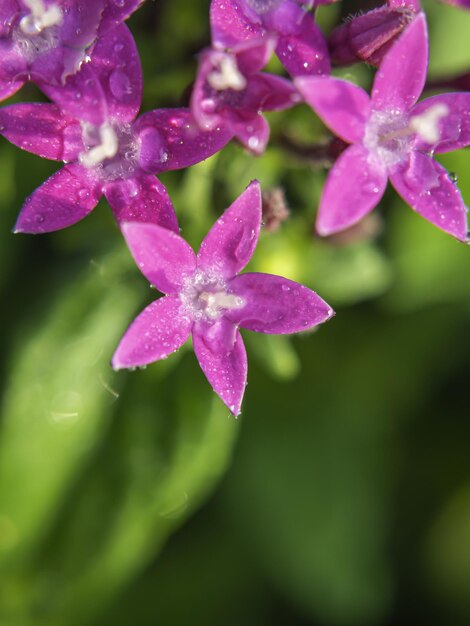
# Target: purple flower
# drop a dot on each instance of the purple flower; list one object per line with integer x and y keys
{"x": 106, "y": 148}
{"x": 48, "y": 40}
{"x": 230, "y": 92}
{"x": 369, "y": 36}
{"x": 392, "y": 137}
{"x": 301, "y": 46}
{"x": 207, "y": 299}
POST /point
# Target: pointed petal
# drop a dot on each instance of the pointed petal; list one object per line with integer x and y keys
{"x": 276, "y": 305}
{"x": 231, "y": 241}
{"x": 425, "y": 185}
{"x": 42, "y": 129}
{"x": 267, "y": 92}
{"x": 402, "y": 73}
{"x": 304, "y": 52}
{"x": 117, "y": 12}
{"x": 353, "y": 188}
{"x": 158, "y": 331}
{"x": 252, "y": 131}
{"x": 121, "y": 80}
{"x": 230, "y": 24}
{"x": 253, "y": 54}
{"x": 81, "y": 22}
{"x": 162, "y": 256}
{"x": 141, "y": 199}
{"x": 64, "y": 199}
{"x": 454, "y": 127}
{"x": 342, "y": 106}
{"x": 171, "y": 140}
{"x": 81, "y": 96}
{"x": 221, "y": 354}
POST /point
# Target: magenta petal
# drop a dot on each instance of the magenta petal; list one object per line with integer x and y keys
{"x": 158, "y": 331}
{"x": 454, "y": 128}
{"x": 221, "y": 354}
{"x": 252, "y": 131}
{"x": 64, "y": 199}
{"x": 231, "y": 241}
{"x": 252, "y": 55}
{"x": 81, "y": 96}
{"x": 42, "y": 129}
{"x": 162, "y": 256}
{"x": 425, "y": 185}
{"x": 342, "y": 106}
{"x": 402, "y": 74}
{"x": 230, "y": 25}
{"x": 267, "y": 92}
{"x": 141, "y": 199}
{"x": 353, "y": 188}
{"x": 13, "y": 70}
{"x": 81, "y": 22}
{"x": 121, "y": 79}
{"x": 116, "y": 12}
{"x": 171, "y": 140}
{"x": 304, "y": 52}
{"x": 276, "y": 305}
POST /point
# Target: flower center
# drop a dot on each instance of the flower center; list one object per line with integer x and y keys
{"x": 389, "y": 134}
{"x": 226, "y": 74}
{"x": 110, "y": 149}
{"x": 205, "y": 297}
{"x": 40, "y": 17}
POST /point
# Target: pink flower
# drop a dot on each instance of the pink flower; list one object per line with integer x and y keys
{"x": 392, "y": 137}
{"x": 301, "y": 46}
{"x": 47, "y": 40}
{"x": 94, "y": 128}
{"x": 206, "y": 298}
{"x": 230, "y": 92}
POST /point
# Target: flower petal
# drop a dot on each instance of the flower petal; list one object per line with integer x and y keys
{"x": 117, "y": 12}
{"x": 13, "y": 70}
{"x": 252, "y": 131}
{"x": 304, "y": 52}
{"x": 402, "y": 73}
{"x": 81, "y": 22}
{"x": 64, "y": 199}
{"x": 276, "y": 305}
{"x": 141, "y": 199}
{"x": 230, "y": 24}
{"x": 158, "y": 331}
{"x": 42, "y": 129}
{"x": 121, "y": 80}
{"x": 425, "y": 185}
{"x": 231, "y": 241}
{"x": 221, "y": 354}
{"x": 342, "y": 106}
{"x": 353, "y": 188}
{"x": 162, "y": 256}
{"x": 81, "y": 96}
{"x": 253, "y": 54}
{"x": 171, "y": 140}
{"x": 267, "y": 92}
{"x": 454, "y": 128}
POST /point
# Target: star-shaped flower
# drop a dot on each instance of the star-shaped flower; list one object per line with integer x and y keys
{"x": 301, "y": 46}
{"x": 93, "y": 128}
{"x": 392, "y": 137}
{"x": 230, "y": 91}
{"x": 207, "y": 299}
{"x": 47, "y": 40}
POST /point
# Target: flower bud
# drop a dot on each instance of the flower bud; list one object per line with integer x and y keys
{"x": 368, "y": 37}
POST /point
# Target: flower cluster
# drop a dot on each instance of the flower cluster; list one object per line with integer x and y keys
{"x": 83, "y": 57}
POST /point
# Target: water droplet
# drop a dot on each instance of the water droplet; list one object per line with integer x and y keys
{"x": 83, "y": 194}
{"x": 253, "y": 143}
{"x": 208, "y": 105}
{"x": 120, "y": 84}
{"x": 118, "y": 47}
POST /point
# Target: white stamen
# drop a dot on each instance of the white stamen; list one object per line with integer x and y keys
{"x": 228, "y": 76}
{"x": 218, "y": 300}
{"x": 41, "y": 17}
{"x": 426, "y": 125}
{"x": 107, "y": 149}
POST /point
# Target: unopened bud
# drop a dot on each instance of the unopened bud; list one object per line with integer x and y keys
{"x": 368, "y": 37}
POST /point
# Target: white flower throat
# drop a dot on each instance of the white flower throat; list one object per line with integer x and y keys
{"x": 205, "y": 297}
{"x": 40, "y": 17}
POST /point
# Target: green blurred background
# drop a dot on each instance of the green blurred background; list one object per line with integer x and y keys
{"x": 341, "y": 496}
